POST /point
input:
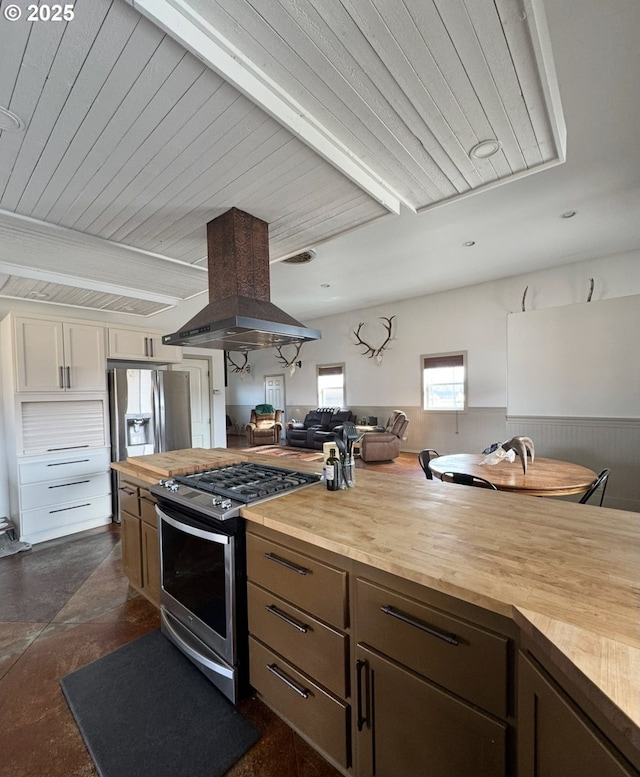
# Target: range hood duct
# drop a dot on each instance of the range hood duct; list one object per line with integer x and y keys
{"x": 240, "y": 316}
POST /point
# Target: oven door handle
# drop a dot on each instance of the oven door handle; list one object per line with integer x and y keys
{"x": 222, "y": 539}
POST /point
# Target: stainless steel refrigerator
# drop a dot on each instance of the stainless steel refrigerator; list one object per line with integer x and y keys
{"x": 150, "y": 412}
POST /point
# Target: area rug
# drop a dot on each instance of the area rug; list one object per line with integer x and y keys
{"x": 9, "y": 545}
{"x": 146, "y": 710}
{"x": 282, "y": 452}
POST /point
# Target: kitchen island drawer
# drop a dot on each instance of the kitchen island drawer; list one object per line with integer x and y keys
{"x": 148, "y": 508}
{"x": 318, "y": 650}
{"x": 128, "y": 497}
{"x": 309, "y": 709}
{"x": 71, "y": 489}
{"x": 464, "y": 658}
{"x": 310, "y": 584}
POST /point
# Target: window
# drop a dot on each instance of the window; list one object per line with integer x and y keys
{"x": 331, "y": 388}
{"x": 444, "y": 382}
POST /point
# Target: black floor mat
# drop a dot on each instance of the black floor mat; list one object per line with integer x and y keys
{"x": 146, "y": 710}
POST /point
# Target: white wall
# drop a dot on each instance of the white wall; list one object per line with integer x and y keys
{"x": 4, "y": 484}
{"x": 473, "y": 318}
{"x": 576, "y": 360}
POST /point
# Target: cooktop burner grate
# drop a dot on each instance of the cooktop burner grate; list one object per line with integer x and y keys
{"x": 246, "y": 482}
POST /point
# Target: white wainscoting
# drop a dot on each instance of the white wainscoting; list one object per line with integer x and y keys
{"x": 593, "y": 442}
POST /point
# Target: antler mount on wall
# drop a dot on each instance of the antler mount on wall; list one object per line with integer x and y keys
{"x": 245, "y": 367}
{"x": 290, "y": 364}
{"x": 371, "y": 352}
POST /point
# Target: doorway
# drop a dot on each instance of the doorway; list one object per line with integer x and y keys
{"x": 200, "y": 386}
{"x": 275, "y": 393}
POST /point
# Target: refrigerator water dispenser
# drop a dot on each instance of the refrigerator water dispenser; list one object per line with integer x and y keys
{"x": 139, "y": 430}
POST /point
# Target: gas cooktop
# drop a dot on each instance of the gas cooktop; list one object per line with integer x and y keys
{"x": 220, "y": 493}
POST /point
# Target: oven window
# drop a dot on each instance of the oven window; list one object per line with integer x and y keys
{"x": 194, "y": 573}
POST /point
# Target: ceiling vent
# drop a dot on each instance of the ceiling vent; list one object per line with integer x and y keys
{"x": 302, "y": 258}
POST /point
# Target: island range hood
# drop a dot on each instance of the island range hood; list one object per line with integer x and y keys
{"x": 239, "y": 316}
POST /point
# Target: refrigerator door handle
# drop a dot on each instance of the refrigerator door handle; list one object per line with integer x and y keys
{"x": 158, "y": 416}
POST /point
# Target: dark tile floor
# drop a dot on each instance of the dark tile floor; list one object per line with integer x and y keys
{"x": 64, "y": 604}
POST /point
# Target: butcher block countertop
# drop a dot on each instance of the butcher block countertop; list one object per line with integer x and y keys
{"x": 567, "y": 574}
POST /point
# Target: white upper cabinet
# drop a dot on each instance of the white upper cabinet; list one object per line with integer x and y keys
{"x": 57, "y": 356}
{"x": 141, "y": 346}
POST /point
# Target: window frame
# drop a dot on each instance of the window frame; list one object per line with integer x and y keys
{"x": 334, "y": 365}
{"x": 465, "y": 366}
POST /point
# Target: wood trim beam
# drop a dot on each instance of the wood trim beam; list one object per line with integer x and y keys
{"x": 199, "y": 37}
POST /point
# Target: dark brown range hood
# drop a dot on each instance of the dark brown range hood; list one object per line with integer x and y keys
{"x": 240, "y": 316}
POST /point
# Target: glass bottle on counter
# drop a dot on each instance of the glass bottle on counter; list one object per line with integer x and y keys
{"x": 350, "y": 471}
{"x": 332, "y": 474}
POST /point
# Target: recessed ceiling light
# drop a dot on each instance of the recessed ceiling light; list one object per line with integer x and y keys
{"x": 568, "y": 214}
{"x": 469, "y": 243}
{"x": 9, "y": 122}
{"x": 485, "y": 148}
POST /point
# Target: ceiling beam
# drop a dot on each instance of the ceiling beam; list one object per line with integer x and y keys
{"x": 199, "y": 37}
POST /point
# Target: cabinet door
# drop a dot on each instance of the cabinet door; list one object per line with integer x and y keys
{"x": 554, "y": 737}
{"x": 39, "y": 355}
{"x": 409, "y": 727}
{"x": 145, "y": 346}
{"x": 163, "y": 353}
{"x": 150, "y": 562}
{"x": 85, "y": 358}
{"x": 131, "y": 548}
{"x": 128, "y": 344}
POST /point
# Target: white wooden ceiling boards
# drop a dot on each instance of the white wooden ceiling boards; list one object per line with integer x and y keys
{"x": 145, "y": 119}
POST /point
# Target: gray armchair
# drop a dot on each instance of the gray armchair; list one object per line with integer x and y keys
{"x": 384, "y": 446}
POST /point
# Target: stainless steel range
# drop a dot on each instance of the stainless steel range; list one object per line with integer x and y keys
{"x": 202, "y": 563}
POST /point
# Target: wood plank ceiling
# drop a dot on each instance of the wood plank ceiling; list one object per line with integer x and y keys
{"x": 316, "y": 116}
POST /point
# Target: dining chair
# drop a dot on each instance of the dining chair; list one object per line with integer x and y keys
{"x": 467, "y": 480}
{"x": 599, "y": 482}
{"x": 424, "y": 457}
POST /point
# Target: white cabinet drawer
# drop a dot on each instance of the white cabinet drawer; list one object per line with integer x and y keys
{"x": 72, "y": 489}
{"x": 53, "y": 520}
{"x": 68, "y": 465}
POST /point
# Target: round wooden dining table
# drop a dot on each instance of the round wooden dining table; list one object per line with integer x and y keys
{"x": 545, "y": 477}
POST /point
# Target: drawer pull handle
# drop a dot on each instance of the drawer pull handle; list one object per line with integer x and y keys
{"x": 287, "y": 564}
{"x": 68, "y": 448}
{"x": 127, "y": 491}
{"x": 361, "y": 719}
{"x": 450, "y": 639}
{"x": 75, "y": 507}
{"x": 62, "y": 463}
{"x": 287, "y": 681}
{"x": 75, "y": 483}
{"x": 148, "y": 501}
{"x": 286, "y": 618}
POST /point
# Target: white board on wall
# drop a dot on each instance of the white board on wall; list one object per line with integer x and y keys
{"x": 577, "y": 361}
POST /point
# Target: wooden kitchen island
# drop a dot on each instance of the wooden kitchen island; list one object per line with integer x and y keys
{"x": 508, "y": 625}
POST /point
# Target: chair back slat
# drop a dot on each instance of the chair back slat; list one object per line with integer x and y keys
{"x": 424, "y": 457}
{"x": 467, "y": 480}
